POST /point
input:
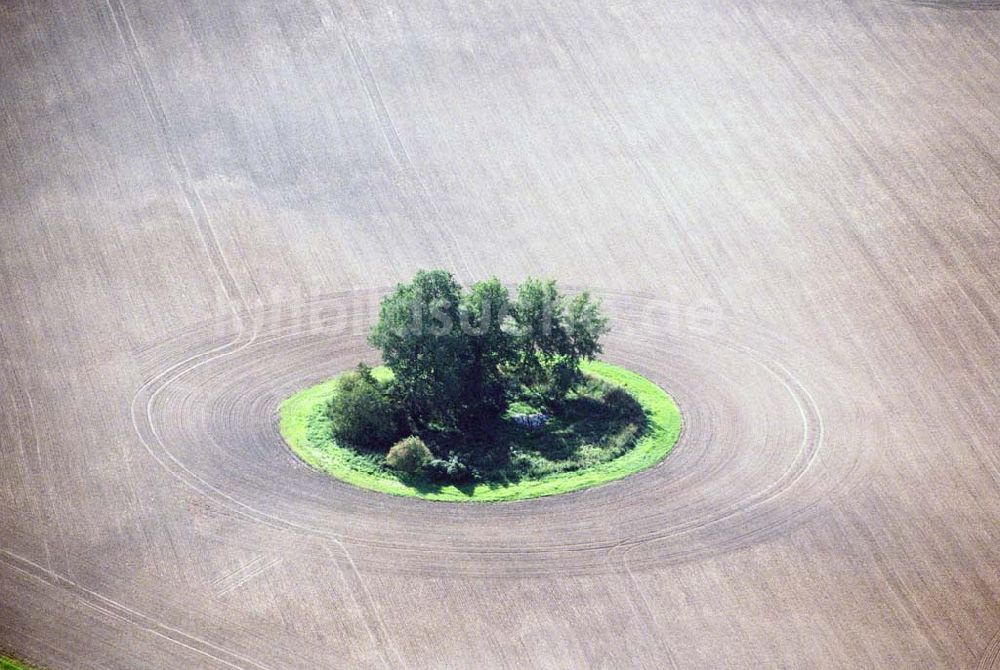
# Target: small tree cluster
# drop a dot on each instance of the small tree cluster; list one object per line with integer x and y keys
{"x": 458, "y": 356}
{"x": 553, "y": 334}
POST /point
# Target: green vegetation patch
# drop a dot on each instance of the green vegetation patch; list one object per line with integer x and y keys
{"x": 7, "y": 663}
{"x": 592, "y": 438}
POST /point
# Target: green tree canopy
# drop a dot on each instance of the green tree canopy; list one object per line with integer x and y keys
{"x": 554, "y": 334}
{"x": 455, "y": 356}
{"x": 485, "y": 314}
{"x": 420, "y": 336}
{"x": 585, "y": 325}
{"x": 361, "y": 413}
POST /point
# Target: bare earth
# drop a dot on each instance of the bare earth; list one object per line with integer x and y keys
{"x": 790, "y": 208}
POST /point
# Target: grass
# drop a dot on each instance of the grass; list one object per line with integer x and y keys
{"x": 7, "y": 663}
{"x": 306, "y": 428}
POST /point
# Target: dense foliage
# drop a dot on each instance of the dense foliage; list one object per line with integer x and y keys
{"x": 409, "y": 455}
{"x": 458, "y": 359}
{"x": 420, "y": 336}
{"x": 553, "y": 335}
{"x": 363, "y": 415}
{"x": 582, "y": 445}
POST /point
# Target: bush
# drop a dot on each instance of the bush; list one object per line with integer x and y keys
{"x": 361, "y": 412}
{"x": 409, "y": 455}
{"x": 623, "y": 405}
{"x": 451, "y": 469}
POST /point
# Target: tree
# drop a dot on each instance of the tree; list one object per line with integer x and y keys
{"x": 484, "y": 317}
{"x": 419, "y": 334}
{"x": 553, "y": 335}
{"x": 361, "y": 413}
{"x": 538, "y": 316}
{"x": 585, "y": 325}
{"x": 455, "y": 357}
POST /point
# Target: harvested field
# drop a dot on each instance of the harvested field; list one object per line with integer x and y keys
{"x": 791, "y": 211}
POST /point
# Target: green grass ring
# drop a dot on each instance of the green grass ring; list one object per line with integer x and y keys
{"x": 306, "y": 428}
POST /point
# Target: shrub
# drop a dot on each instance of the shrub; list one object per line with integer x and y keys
{"x": 451, "y": 469}
{"x": 623, "y": 405}
{"x": 361, "y": 412}
{"x": 561, "y": 374}
{"x": 408, "y": 455}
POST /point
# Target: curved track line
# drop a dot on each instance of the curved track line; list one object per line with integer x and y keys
{"x": 991, "y": 657}
{"x": 195, "y": 205}
{"x": 377, "y": 631}
{"x": 145, "y": 420}
{"x": 121, "y": 611}
{"x": 397, "y": 149}
{"x": 640, "y": 607}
